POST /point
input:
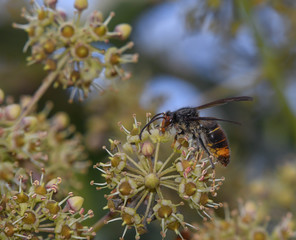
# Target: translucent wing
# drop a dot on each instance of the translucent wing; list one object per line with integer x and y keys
{"x": 214, "y": 119}
{"x": 224, "y": 101}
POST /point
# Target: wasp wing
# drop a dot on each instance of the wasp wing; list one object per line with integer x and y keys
{"x": 214, "y": 119}
{"x": 224, "y": 101}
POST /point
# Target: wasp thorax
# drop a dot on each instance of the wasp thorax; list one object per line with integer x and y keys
{"x": 151, "y": 181}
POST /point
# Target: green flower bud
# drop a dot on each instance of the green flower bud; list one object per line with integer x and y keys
{"x": 12, "y": 112}
{"x": 80, "y": 5}
{"x": 124, "y": 30}
{"x": 75, "y": 203}
{"x": 2, "y": 96}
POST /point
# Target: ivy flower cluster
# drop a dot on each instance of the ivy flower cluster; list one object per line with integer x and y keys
{"x": 281, "y": 188}
{"x": 246, "y": 223}
{"x": 145, "y": 178}
{"x": 66, "y": 46}
{"x": 38, "y": 141}
{"x": 34, "y": 214}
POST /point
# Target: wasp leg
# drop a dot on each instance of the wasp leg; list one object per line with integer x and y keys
{"x": 207, "y": 151}
{"x": 176, "y": 137}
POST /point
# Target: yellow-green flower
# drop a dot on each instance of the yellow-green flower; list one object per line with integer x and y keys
{"x": 140, "y": 172}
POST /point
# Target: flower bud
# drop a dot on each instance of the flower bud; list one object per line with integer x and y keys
{"x": 61, "y": 120}
{"x": 2, "y": 96}
{"x": 80, "y": 5}
{"x": 29, "y": 122}
{"x": 53, "y": 184}
{"x": 124, "y": 30}
{"x": 127, "y": 147}
{"x": 12, "y": 112}
{"x": 75, "y": 203}
{"x": 147, "y": 149}
{"x": 18, "y": 139}
{"x": 25, "y": 100}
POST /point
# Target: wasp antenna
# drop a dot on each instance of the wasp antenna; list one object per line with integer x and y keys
{"x": 156, "y": 115}
{"x": 154, "y": 118}
{"x": 224, "y": 101}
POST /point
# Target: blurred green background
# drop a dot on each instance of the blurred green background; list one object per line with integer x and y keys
{"x": 191, "y": 52}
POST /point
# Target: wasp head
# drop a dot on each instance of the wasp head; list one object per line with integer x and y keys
{"x": 167, "y": 121}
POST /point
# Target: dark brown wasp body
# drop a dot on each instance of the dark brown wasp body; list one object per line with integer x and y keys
{"x": 209, "y": 134}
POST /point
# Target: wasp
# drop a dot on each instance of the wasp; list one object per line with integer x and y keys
{"x": 209, "y": 134}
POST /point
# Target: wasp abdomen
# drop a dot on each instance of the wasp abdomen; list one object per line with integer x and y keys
{"x": 217, "y": 143}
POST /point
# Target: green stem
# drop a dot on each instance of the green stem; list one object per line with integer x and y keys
{"x": 42, "y": 89}
{"x": 276, "y": 77}
{"x": 99, "y": 224}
